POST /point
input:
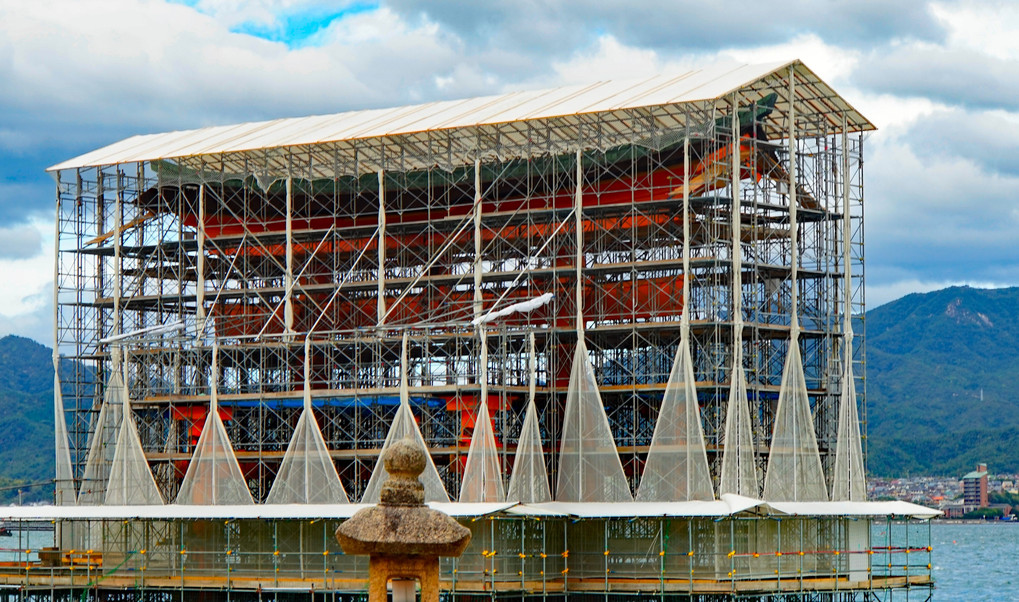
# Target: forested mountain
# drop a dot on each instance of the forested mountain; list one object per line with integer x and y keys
{"x": 942, "y": 393}
{"x": 26, "y": 408}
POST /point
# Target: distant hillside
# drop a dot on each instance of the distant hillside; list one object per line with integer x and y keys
{"x": 942, "y": 370}
{"x": 26, "y": 405}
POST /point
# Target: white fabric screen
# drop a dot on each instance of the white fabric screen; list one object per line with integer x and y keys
{"x": 214, "y": 476}
{"x": 307, "y": 474}
{"x": 794, "y": 471}
{"x": 131, "y": 482}
{"x": 64, "y": 473}
{"x": 482, "y": 480}
{"x": 102, "y": 444}
{"x": 849, "y": 483}
{"x": 589, "y": 465}
{"x": 405, "y": 426}
{"x": 739, "y": 467}
{"x": 677, "y": 463}
{"x": 529, "y": 481}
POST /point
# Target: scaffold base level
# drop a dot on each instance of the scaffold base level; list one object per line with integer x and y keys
{"x": 60, "y": 588}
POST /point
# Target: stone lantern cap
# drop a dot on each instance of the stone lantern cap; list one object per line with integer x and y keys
{"x": 401, "y": 524}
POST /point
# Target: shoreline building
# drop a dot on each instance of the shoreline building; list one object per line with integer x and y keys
{"x": 618, "y": 316}
{"x": 974, "y": 488}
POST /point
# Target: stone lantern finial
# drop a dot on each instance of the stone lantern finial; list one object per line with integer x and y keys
{"x": 403, "y": 537}
{"x": 404, "y": 461}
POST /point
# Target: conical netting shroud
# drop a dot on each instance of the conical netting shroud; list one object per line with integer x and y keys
{"x": 131, "y": 482}
{"x": 64, "y": 473}
{"x": 405, "y": 426}
{"x": 677, "y": 463}
{"x": 307, "y": 474}
{"x": 589, "y": 465}
{"x": 794, "y": 471}
{"x": 482, "y": 481}
{"x": 848, "y": 477}
{"x": 739, "y": 467}
{"x": 214, "y": 477}
{"x": 102, "y": 444}
{"x": 529, "y": 482}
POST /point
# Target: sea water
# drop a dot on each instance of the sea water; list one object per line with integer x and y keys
{"x": 24, "y": 546}
{"x": 975, "y": 561}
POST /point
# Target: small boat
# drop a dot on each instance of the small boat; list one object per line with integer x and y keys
{"x": 5, "y": 531}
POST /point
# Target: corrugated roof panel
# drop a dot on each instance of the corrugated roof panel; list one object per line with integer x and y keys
{"x": 209, "y": 138}
{"x": 604, "y": 96}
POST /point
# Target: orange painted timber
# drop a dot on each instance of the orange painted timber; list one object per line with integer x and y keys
{"x": 624, "y": 299}
{"x": 707, "y": 174}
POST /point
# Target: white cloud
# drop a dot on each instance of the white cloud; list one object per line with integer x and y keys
{"x": 987, "y": 27}
{"x": 23, "y": 280}
{"x": 80, "y": 75}
{"x": 607, "y": 58}
{"x": 20, "y": 242}
{"x": 72, "y": 61}
{"x": 936, "y": 220}
{"x": 890, "y": 114}
{"x": 35, "y": 320}
{"x": 832, "y": 63}
{"x": 264, "y": 12}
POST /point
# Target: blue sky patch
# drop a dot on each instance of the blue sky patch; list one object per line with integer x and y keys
{"x": 297, "y": 28}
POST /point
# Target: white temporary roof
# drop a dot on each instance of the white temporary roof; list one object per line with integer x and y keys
{"x": 729, "y": 505}
{"x": 505, "y": 109}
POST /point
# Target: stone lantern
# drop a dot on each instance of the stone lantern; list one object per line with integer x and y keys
{"x": 403, "y": 537}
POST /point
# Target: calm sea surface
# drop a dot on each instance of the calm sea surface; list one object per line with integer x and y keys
{"x": 12, "y": 548}
{"x": 971, "y": 562}
{"x": 975, "y": 562}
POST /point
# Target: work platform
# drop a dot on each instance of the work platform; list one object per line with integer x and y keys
{"x": 731, "y": 547}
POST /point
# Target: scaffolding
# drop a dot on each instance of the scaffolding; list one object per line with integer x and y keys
{"x": 513, "y": 555}
{"x": 496, "y": 237}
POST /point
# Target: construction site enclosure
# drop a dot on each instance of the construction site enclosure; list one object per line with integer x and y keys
{"x": 475, "y": 263}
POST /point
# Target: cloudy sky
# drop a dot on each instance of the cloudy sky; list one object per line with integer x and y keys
{"x": 940, "y": 79}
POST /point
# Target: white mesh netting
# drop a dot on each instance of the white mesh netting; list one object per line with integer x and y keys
{"x": 405, "y": 426}
{"x": 529, "y": 481}
{"x": 677, "y": 464}
{"x": 848, "y": 477}
{"x": 589, "y": 465}
{"x": 739, "y": 468}
{"x": 307, "y": 474}
{"x": 794, "y": 472}
{"x": 166, "y": 472}
{"x": 214, "y": 477}
{"x": 482, "y": 480}
{"x": 131, "y": 481}
{"x": 64, "y": 474}
{"x": 102, "y": 443}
